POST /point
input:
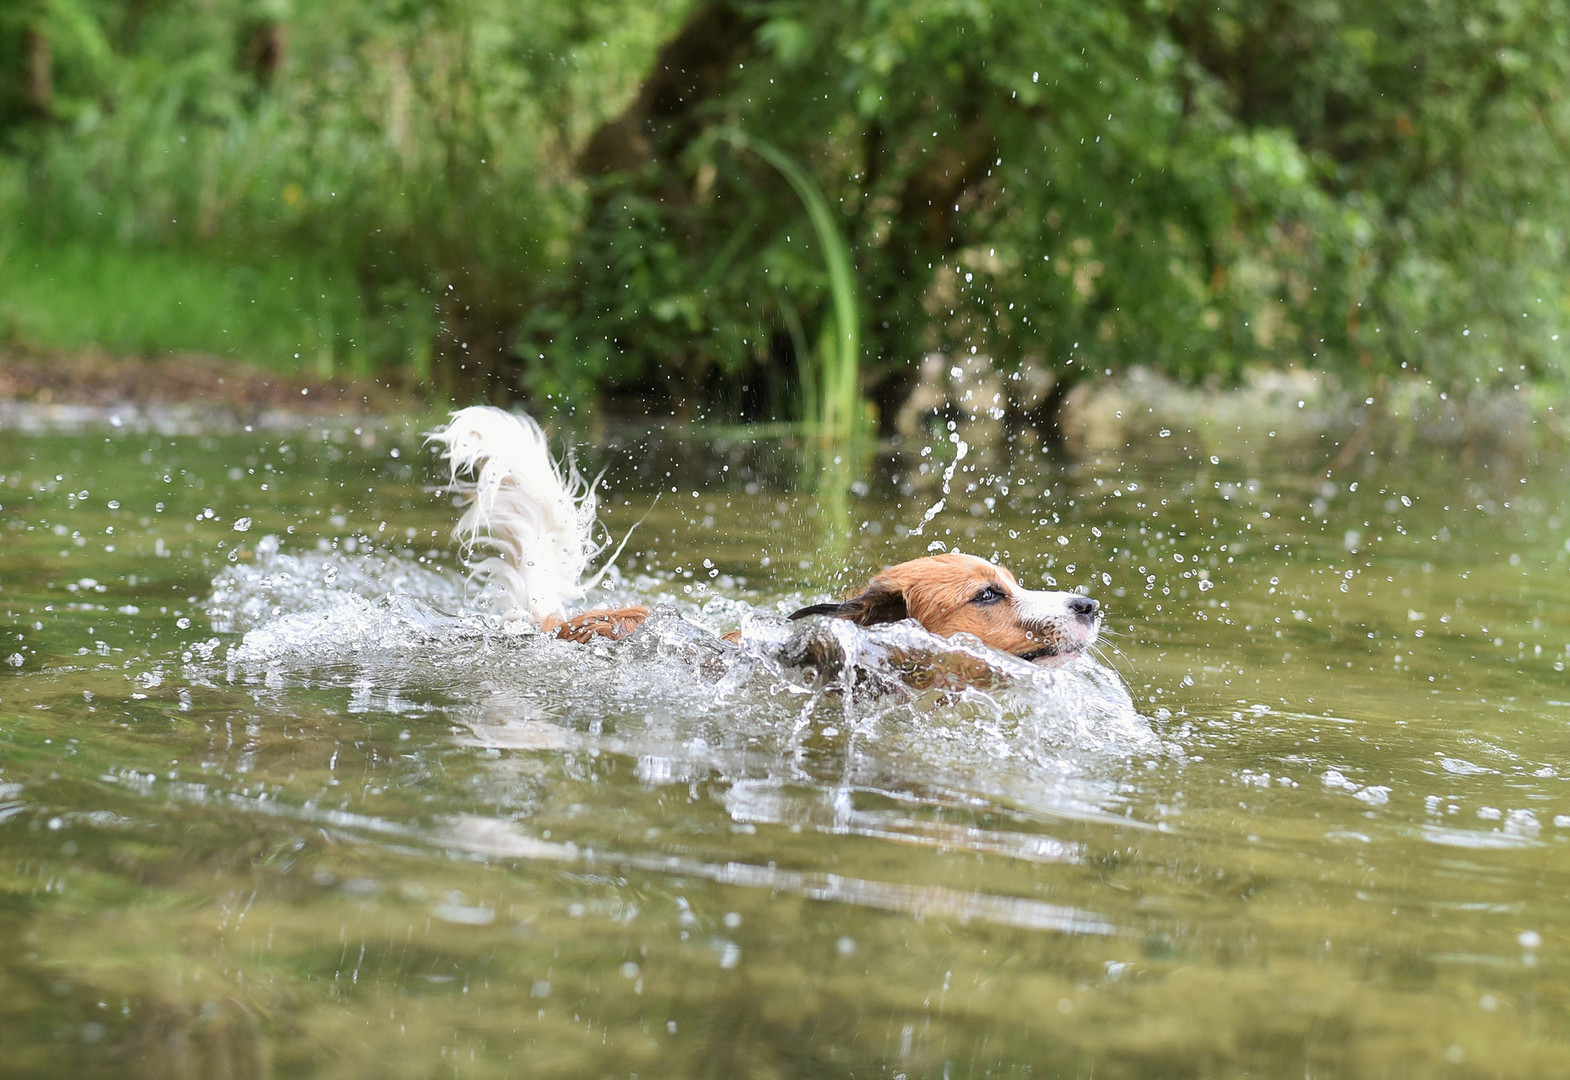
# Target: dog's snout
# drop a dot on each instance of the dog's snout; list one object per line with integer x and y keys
{"x": 1083, "y": 605}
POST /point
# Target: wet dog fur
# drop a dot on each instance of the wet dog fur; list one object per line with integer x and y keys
{"x": 537, "y": 516}
{"x": 953, "y": 594}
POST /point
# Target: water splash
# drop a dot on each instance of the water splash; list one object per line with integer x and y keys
{"x": 819, "y": 702}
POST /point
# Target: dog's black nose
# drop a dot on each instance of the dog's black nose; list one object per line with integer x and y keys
{"x": 1083, "y": 605}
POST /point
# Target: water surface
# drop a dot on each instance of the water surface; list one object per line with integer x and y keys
{"x": 280, "y": 794}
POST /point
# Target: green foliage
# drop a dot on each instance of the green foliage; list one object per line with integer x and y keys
{"x": 1084, "y": 188}
{"x": 417, "y": 149}
{"x": 542, "y": 195}
{"x": 280, "y": 314}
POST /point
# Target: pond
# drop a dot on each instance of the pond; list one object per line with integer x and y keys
{"x": 280, "y": 796}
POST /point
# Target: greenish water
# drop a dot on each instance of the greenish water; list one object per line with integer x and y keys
{"x": 279, "y": 798}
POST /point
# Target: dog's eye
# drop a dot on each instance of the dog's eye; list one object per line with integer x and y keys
{"x": 990, "y": 595}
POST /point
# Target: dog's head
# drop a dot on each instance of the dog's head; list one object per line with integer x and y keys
{"x": 961, "y": 594}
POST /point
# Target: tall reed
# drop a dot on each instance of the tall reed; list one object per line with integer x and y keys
{"x": 831, "y": 375}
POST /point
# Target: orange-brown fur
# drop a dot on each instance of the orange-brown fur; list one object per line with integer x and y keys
{"x": 612, "y": 623}
{"x": 937, "y": 593}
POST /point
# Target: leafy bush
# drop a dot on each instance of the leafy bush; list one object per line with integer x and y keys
{"x": 543, "y": 197}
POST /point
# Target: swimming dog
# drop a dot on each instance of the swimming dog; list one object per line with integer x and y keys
{"x": 537, "y": 516}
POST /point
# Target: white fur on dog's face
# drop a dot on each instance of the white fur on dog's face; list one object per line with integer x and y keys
{"x": 1060, "y": 620}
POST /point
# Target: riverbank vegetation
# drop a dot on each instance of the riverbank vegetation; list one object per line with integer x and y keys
{"x": 717, "y": 206}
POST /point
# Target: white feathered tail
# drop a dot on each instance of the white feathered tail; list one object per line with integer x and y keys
{"x": 537, "y": 516}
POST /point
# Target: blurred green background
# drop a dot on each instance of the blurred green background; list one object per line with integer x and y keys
{"x": 772, "y": 209}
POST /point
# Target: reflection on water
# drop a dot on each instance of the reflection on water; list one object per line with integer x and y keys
{"x": 280, "y": 793}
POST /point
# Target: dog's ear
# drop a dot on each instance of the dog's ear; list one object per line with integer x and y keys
{"x": 881, "y": 603}
{"x": 816, "y": 609}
